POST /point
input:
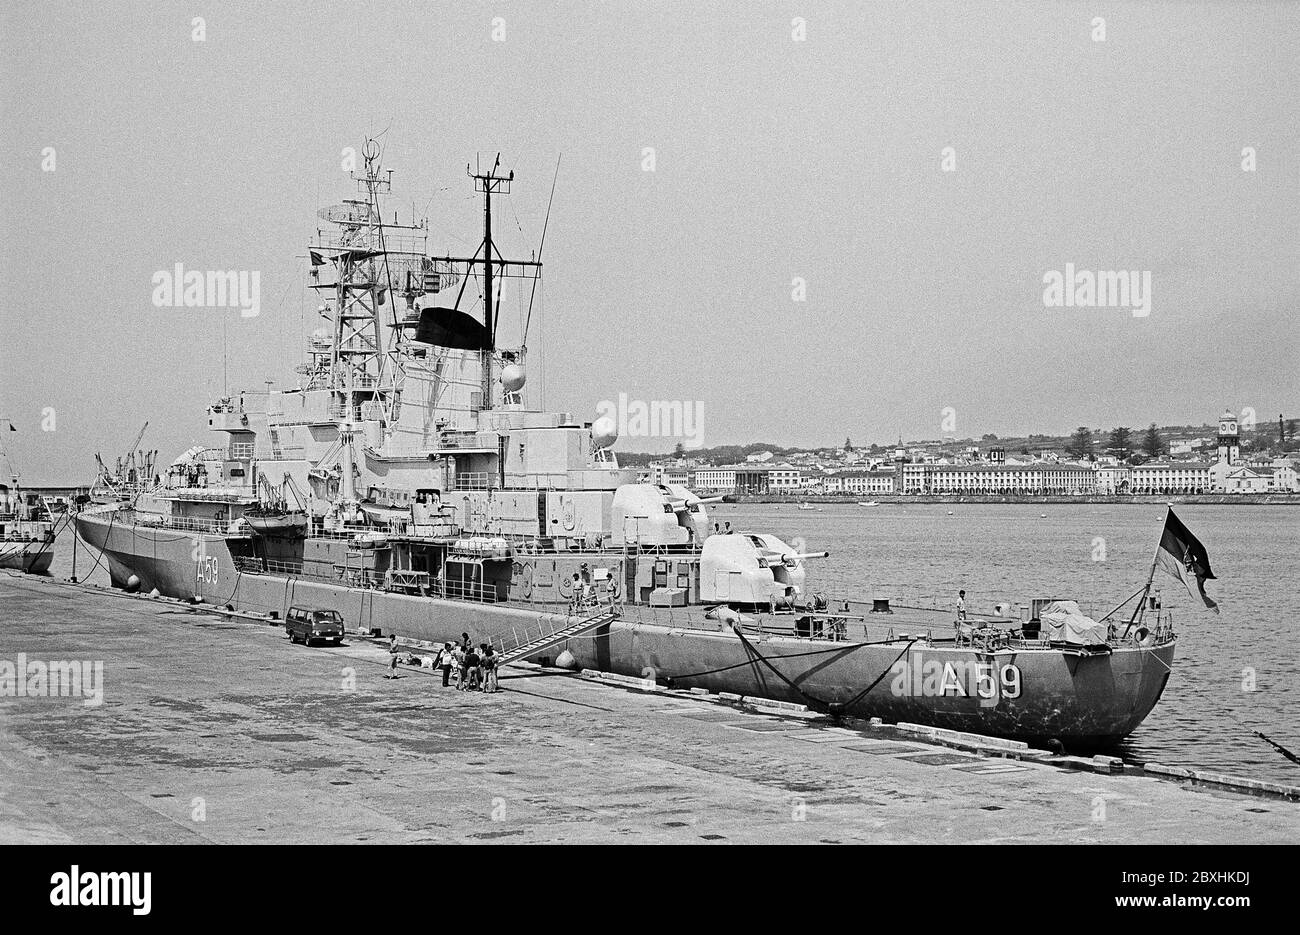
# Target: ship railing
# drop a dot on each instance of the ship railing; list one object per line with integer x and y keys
{"x": 475, "y": 591}
{"x": 343, "y": 413}
{"x": 190, "y": 524}
{"x": 280, "y": 567}
{"x": 489, "y": 480}
{"x": 469, "y": 440}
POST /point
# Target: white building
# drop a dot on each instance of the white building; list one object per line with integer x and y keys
{"x": 669, "y": 472}
{"x": 715, "y": 478}
{"x": 859, "y": 483}
{"x": 1250, "y": 480}
{"x": 1171, "y": 477}
{"x": 1039, "y": 478}
{"x": 1285, "y": 477}
{"x": 784, "y": 477}
{"x": 1114, "y": 478}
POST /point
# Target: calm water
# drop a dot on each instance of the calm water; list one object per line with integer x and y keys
{"x": 1012, "y": 552}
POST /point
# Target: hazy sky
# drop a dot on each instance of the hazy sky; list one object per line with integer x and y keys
{"x": 774, "y": 159}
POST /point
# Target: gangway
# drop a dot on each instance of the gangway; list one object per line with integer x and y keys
{"x": 529, "y": 643}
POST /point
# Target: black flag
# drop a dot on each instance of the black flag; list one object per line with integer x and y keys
{"x": 1182, "y": 556}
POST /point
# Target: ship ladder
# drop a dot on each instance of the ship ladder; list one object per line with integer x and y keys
{"x": 529, "y": 643}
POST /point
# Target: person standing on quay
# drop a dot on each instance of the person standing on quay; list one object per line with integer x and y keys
{"x": 392, "y": 657}
{"x": 490, "y": 683}
{"x": 445, "y": 660}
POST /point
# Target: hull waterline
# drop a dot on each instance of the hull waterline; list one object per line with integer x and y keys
{"x": 1084, "y": 701}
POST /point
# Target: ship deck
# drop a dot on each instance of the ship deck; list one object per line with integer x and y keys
{"x": 267, "y": 741}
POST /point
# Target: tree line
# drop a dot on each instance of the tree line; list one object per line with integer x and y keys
{"x": 1120, "y": 441}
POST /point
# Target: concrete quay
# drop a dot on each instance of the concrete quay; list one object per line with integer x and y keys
{"x": 217, "y": 729}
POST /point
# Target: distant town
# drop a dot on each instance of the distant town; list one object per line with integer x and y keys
{"x": 1232, "y": 456}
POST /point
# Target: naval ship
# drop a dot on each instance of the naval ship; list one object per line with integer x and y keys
{"x": 407, "y": 483}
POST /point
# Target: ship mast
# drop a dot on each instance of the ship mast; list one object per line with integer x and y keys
{"x": 366, "y": 253}
{"x": 488, "y": 183}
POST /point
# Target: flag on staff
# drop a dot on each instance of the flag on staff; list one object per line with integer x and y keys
{"x": 1182, "y": 555}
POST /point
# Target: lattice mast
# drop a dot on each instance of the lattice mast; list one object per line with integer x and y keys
{"x": 363, "y": 366}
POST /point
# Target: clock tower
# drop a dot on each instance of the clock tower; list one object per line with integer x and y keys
{"x": 1229, "y": 442}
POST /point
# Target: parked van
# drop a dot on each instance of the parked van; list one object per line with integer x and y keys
{"x": 307, "y": 624}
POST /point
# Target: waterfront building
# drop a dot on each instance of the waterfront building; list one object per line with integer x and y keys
{"x": 1038, "y": 479}
{"x": 1250, "y": 480}
{"x": 716, "y": 479}
{"x": 1114, "y": 478}
{"x": 784, "y": 477}
{"x": 1171, "y": 477}
{"x": 752, "y": 479}
{"x": 859, "y": 483}
{"x": 670, "y": 472}
{"x": 1285, "y": 478}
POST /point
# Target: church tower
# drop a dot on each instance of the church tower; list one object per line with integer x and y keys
{"x": 1229, "y": 442}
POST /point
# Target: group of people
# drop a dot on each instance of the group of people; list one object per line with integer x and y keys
{"x": 475, "y": 667}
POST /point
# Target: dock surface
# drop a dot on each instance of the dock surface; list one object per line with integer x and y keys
{"x": 216, "y": 730}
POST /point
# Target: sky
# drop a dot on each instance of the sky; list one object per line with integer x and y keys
{"x": 777, "y": 159}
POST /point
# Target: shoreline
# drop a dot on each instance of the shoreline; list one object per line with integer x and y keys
{"x": 1274, "y": 499}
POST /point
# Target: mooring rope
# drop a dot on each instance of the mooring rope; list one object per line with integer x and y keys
{"x": 112, "y": 518}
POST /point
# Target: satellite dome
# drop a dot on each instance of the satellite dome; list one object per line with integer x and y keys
{"x": 512, "y": 378}
{"x": 604, "y": 432}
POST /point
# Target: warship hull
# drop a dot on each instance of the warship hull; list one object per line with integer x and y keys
{"x": 1083, "y": 699}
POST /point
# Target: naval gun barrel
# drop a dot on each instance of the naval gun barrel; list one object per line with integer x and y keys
{"x": 796, "y": 556}
{"x": 679, "y": 504}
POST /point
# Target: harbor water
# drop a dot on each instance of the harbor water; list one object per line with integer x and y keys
{"x": 1097, "y": 555}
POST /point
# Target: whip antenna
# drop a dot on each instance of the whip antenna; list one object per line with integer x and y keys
{"x": 532, "y": 294}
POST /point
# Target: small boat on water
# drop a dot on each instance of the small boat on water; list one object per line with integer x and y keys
{"x": 808, "y": 506}
{"x": 868, "y": 503}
